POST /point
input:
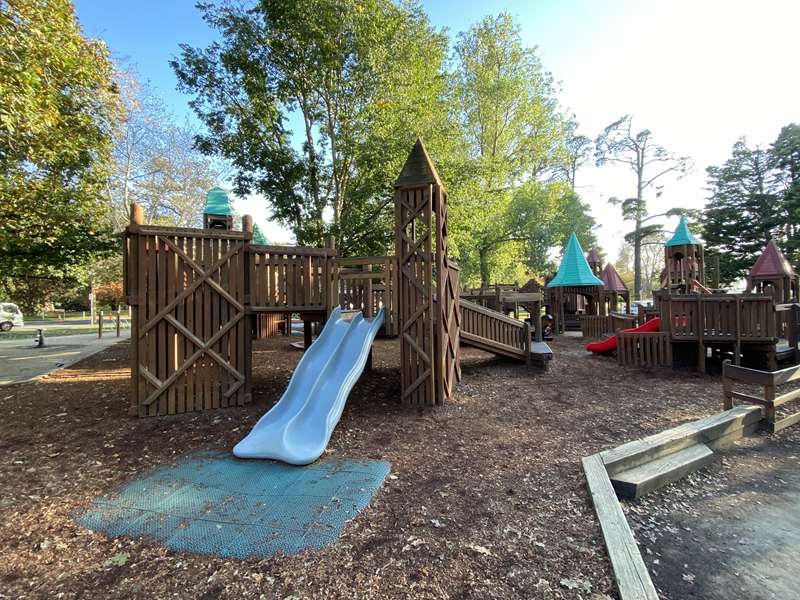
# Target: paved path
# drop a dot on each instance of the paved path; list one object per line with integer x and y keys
{"x": 21, "y": 361}
{"x": 731, "y": 531}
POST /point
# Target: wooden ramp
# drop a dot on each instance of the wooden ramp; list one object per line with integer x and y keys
{"x": 494, "y": 332}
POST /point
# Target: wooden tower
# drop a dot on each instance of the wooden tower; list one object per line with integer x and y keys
{"x": 683, "y": 257}
{"x": 595, "y": 264}
{"x": 428, "y": 314}
{"x": 217, "y": 213}
{"x": 772, "y": 275}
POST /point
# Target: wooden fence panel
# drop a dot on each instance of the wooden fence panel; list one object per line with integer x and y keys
{"x": 290, "y": 278}
{"x": 189, "y": 300}
{"x": 644, "y": 349}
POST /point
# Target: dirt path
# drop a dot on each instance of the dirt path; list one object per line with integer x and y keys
{"x": 486, "y": 496}
{"x": 731, "y": 530}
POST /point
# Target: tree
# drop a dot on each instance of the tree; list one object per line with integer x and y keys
{"x": 58, "y": 104}
{"x": 363, "y": 78}
{"x": 506, "y": 207}
{"x": 785, "y": 153}
{"x": 618, "y": 144}
{"x": 744, "y": 211}
{"x": 154, "y": 162}
{"x": 578, "y": 151}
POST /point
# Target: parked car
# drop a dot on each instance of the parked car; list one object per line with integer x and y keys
{"x": 10, "y": 316}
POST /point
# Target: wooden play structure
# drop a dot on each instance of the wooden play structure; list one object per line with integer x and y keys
{"x": 200, "y": 296}
{"x": 758, "y": 329}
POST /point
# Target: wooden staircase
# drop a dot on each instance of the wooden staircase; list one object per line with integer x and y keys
{"x": 494, "y": 332}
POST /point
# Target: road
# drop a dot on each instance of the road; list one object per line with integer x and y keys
{"x": 21, "y": 361}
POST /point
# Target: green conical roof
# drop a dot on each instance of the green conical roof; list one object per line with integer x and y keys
{"x": 574, "y": 269}
{"x": 217, "y": 202}
{"x": 682, "y": 236}
{"x": 258, "y": 236}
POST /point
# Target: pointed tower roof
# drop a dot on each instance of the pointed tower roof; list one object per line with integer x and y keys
{"x": 217, "y": 202}
{"x": 771, "y": 263}
{"x": 593, "y": 258}
{"x": 682, "y": 236}
{"x": 258, "y": 236}
{"x": 613, "y": 282}
{"x": 574, "y": 269}
{"x": 419, "y": 169}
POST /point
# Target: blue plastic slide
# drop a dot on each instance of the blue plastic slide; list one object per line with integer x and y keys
{"x": 297, "y": 429}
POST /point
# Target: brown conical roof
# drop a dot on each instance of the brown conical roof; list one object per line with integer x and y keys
{"x": 419, "y": 169}
{"x": 771, "y": 263}
{"x": 611, "y": 280}
{"x": 593, "y": 257}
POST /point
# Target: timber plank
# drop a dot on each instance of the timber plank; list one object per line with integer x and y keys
{"x": 630, "y": 572}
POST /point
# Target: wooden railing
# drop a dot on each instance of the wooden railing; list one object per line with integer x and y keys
{"x": 720, "y": 318}
{"x": 644, "y": 349}
{"x": 290, "y": 278}
{"x": 595, "y": 326}
{"x": 770, "y": 401}
{"x": 368, "y": 283}
{"x": 489, "y": 330}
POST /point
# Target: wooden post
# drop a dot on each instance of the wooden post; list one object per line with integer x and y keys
{"x": 100, "y": 325}
{"x": 307, "y": 333}
{"x": 769, "y": 409}
{"x": 118, "y": 318}
{"x": 727, "y": 387}
{"x": 133, "y": 260}
{"x": 246, "y": 327}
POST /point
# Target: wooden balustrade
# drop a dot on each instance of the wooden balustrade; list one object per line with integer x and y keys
{"x": 290, "y": 278}
{"x": 367, "y": 283}
{"x": 644, "y": 349}
{"x": 489, "y": 330}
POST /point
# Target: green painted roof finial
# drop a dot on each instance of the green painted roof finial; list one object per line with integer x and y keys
{"x": 574, "y": 270}
{"x": 682, "y": 236}
{"x": 217, "y": 203}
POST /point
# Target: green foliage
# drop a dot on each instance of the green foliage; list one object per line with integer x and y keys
{"x": 364, "y": 78}
{"x": 508, "y": 208}
{"x": 745, "y": 209}
{"x": 785, "y": 153}
{"x": 57, "y": 108}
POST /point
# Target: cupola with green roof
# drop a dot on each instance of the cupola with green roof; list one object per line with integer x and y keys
{"x": 258, "y": 236}
{"x": 217, "y": 213}
{"x": 574, "y": 270}
{"x": 683, "y": 255}
{"x": 683, "y": 236}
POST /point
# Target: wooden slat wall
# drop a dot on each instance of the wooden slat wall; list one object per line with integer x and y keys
{"x": 290, "y": 278}
{"x": 644, "y": 349}
{"x": 369, "y": 281}
{"x": 190, "y": 331}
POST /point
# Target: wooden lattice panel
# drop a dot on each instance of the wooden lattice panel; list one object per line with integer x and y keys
{"x": 413, "y": 220}
{"x": 190, "y": 333}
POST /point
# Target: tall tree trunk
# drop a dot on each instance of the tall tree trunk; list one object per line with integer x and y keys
{"x": 637, "y": 262}
{"x": 483, "y": 253}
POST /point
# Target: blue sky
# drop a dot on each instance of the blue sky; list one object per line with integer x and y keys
{"x": 698, "y": 74}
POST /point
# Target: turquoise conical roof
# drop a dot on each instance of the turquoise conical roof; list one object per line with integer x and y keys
{"x": 682, "y": 236}
{"x": 574, "y": 269}
{"x": 258, "y": 236}
{"x": 217, "y": 202}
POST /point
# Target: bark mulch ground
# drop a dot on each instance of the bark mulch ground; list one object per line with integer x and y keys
{"x": 486, "y": 497}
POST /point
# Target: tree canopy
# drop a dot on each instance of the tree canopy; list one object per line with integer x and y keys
{"x": 58, "y": 103}
{"x": 754, "y": 198}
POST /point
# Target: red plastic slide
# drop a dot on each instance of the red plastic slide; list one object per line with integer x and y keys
{"x": 606, "y": 346}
